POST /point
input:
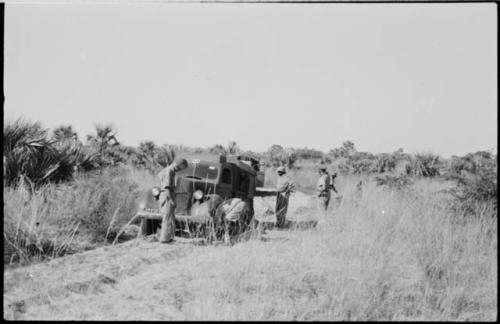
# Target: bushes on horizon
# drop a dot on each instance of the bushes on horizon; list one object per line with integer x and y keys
{"x": 30, "y": 153}
{"x": 363, "y": 166}
{"x": 385, "y": 162}
{"x": 308, "y": 154}
{"x": 471, "y": 162}
{"x": 233, "y": 148}
{"x": 425, "y": 165}
{"x": 351, "y": 161}
{"x": 276, "y": 156}
{"x": 150, "y": 157}
{"x": 476, "y": 187}
{"x": 346, "y": 150}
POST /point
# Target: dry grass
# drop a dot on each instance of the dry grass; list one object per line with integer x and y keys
{"x": 67, "y": 218}
{"x": 144, "y": 179}
{"x": 383, "y": 255}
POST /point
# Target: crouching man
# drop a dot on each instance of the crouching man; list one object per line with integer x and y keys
{"x": 236, "y": 218}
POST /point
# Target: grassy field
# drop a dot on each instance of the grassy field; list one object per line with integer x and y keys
{"x": 58, "y": 219}
{"x": 383, "y": 255}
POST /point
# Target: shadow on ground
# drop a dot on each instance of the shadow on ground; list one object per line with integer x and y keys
{"x": 289, "y": 225}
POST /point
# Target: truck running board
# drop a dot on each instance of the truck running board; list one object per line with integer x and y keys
{"x": 182, "y": 218}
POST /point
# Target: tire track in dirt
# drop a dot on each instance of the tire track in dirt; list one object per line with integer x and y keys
{"x": 87, "y": 273}
{"x": 139, "y": 279}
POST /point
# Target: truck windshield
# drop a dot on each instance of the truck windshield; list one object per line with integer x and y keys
{"x": 200, "y": 172}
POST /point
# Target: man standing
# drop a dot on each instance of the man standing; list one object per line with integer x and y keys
{"x": 285, "y": 186}
{"x": 323, "y": 190}
{"x": 167, "y": 199}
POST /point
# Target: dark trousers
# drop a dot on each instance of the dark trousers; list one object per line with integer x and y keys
{"x": 323, "y": 201}
{"x": 281, "y": 209}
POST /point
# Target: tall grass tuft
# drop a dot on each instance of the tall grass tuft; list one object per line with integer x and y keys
{"x": 425, "y": 164}
{"x": 57, "y": 219}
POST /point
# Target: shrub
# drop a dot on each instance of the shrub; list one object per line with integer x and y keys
{"x": 111, "y": 202}
{"x": 472, "y": 189}
{"x": 276, "y": 155}
{"x": 472, "y": 162}
{"x": 344, "y": 166}
{"x": 308, "y": 154}
{"x": 29, "y": 153}
{"x": 362, "y": 166}
{"x": 403, "y": 166}
{"x": 105, "y": 143}
{"x": 218, "y": 149}
{"x": 476, "y": 181}
{"x": 27, "y": 232}
{"x": 425, "y": 165}
{"x": 385, "y": 162}
{"x": 56, "y": 219}
{"x": 151, "y": 157}
{"x": 398, "y": 182}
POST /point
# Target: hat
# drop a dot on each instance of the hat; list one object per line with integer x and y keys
{"x": 180, "y": 161}
{"x": 281, "y": 169}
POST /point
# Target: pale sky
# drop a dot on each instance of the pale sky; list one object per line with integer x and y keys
{"x": 418, "y": 76}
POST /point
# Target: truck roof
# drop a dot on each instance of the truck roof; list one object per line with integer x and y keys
{"x": 223, "y": 160}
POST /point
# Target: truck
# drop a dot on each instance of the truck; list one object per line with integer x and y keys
{"x": 215, "y": 199}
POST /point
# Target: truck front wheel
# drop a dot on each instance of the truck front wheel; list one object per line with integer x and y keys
{"x": 149, "y": 226}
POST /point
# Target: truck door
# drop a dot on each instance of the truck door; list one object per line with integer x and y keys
{"x": 225, "y": 185}
{"x": 243, "y": 184}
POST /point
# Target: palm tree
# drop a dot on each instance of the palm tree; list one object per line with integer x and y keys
{"x": 63, "y": 133}
{"x": 104, "y": 140}
{"x": 66, "y": 139}
{"x": 425, "y": 164}
{"x": 233, "y": 148}
{"x": 29, "y": 153}
{"x": 146, "y": 154}
{"x": 348, "y": 148}
{"x": 148, "y": 148}
{"x": 165, "y": 155}
{"x": 218, "y": 149}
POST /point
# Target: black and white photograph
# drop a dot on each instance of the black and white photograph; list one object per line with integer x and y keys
{"x": 250, "y": 160}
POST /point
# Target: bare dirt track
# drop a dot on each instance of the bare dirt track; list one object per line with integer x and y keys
{"x": 137, "y": 280}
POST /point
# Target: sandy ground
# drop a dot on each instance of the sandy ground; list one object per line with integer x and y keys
{"x": 126, "y": 281}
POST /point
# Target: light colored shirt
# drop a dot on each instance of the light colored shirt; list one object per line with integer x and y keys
{"x": 167, "y": 177}
{"x": 234, "y": 209}
{"x": 323, "y": 186}
{"x": 283, "y": 183}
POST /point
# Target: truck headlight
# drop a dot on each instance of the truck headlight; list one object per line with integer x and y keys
{"x": 198, "y": 195}
{"x": 155, "y": 191}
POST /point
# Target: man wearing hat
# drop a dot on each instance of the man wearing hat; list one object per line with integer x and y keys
{"x": 285, "y": 186}
{"x": 167, "y": 199}
{"x": 323, "y": 190}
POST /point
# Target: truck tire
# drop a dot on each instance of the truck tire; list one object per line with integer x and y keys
{"x": 146, "y": 227}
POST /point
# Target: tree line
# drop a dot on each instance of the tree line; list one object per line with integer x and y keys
{"x": 39, "y": 156}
